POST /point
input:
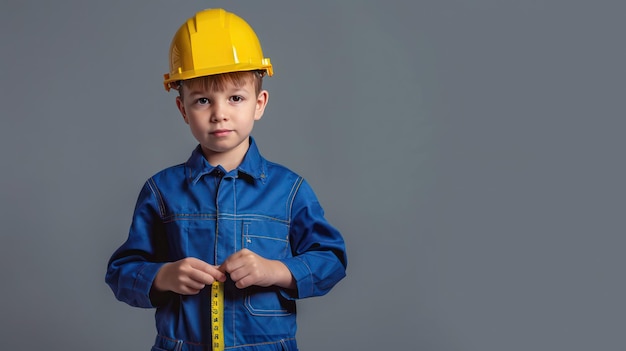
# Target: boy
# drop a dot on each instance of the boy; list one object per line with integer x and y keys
{"x": 224, "y": 244}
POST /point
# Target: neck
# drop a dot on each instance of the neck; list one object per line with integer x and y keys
{"x": 229, "y": 160}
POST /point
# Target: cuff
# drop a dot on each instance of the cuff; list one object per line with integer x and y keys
{"x": 303, "y": 276}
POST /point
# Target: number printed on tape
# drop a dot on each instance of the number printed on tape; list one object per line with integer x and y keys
{"x": 217, "y": 313}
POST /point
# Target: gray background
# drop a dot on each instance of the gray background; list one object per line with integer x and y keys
{"x": 470, "y": 151}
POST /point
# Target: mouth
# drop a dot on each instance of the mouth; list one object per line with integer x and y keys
{"x": 220, "y": 132}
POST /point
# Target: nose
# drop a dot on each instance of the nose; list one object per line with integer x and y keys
{"x": 219, "y": 112}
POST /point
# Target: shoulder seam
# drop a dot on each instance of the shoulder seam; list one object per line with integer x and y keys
{"x": 292, "y": 196}
{"x": 155, "y": 192}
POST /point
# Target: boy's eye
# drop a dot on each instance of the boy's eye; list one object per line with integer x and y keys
{"x": 203, "y": 101}
{"x": 236, "y": 98}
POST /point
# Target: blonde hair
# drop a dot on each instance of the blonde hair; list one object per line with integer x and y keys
{"x": 220, "y": 81}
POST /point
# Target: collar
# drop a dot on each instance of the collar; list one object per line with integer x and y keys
{"x": 253, "y": 164}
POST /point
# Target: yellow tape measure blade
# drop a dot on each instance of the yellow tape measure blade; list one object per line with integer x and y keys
{"x": 217, "y": 316}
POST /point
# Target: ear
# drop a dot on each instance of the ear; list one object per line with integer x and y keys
{"x": 181, "y": 108}
{"x": 261, "y": 102}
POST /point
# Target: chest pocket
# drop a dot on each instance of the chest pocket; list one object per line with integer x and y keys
{"x": 268, "y": 238}
{"x": 191, "y": 236}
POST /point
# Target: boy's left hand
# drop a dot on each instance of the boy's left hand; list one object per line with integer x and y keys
{"x": 246, "y": 268}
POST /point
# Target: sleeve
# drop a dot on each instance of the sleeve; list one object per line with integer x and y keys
{"x": 319, "y": 255}
{"x": 133, "y": 266}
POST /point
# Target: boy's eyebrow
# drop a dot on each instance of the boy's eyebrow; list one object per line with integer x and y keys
{"x": 236, "y": 90}
{"x": 196, "y": 92}
{"x": 229, "y": 89}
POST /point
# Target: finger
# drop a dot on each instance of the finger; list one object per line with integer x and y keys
{"x": 216, "y": 273}
{"x": 192, "y": 286}
{"x": 186, "y": 290}
{"x": 205, "y": 272}
{"x": 249, "y": 274}
{"x": 197, "y": 277}
{"x": 244, "y": 282}
{"x": 237, "y": 260}
{"x": 229, "y": 266}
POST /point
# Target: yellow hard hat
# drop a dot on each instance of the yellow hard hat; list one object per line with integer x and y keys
{"x": 214, "y": 41}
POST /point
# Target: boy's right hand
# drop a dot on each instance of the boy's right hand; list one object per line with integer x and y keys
{"x": 187, "y": 276}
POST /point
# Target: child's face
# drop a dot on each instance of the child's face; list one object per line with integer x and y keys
{"x": 222, "y": 121}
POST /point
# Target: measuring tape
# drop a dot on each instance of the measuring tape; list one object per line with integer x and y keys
{"x": 217, "y": 316}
